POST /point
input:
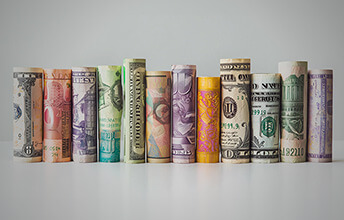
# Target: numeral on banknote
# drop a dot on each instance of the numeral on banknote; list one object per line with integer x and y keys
{"x": 292, "y": 152}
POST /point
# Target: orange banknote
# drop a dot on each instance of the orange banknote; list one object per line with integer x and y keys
{"x": 57, "y": 115}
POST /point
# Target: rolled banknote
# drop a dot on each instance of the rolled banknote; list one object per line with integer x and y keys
{"x": 320, "y": 93}
{"x": 293, "y": 111}
{"x": 183, "y": 117}
{"x": 235, "y": 110}
{"x": 134, "y": 71}
{"x": 110, "y": 112}
{"x": 265, "y": 113}
{"x": 208, "y": 119}
{"x": 27, "y": 123}
{"x": 158, "y": 116}
{"x": 84, "y": 114}
{"x": 57, "y": 115}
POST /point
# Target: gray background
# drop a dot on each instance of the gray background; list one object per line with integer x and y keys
{"x": 66, "y": 33}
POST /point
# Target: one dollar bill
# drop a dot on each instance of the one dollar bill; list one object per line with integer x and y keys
{"x": 134, "y": 71}
{"x": 235, "y": 110}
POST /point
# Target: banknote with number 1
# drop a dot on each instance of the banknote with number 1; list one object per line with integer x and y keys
{"x": 134, "y": 71}
{"x": 235, "y": 110}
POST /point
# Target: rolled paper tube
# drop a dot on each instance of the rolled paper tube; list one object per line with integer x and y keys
{"x": 110, "y": 112}
{"x": 183, "y": 113}
{"x": 293, "y": 111}
{"x": 320, "y": 111}
{"x": 27, "y": 123}
{"x": 235, "y": 110}
{"x": 134, "y": 71}
{"x": 158, "y": 116}
{"x": 57, "y": 115}
{"x": 265, "y": 114}
{"x": 84, "y": 131}
{"x": 208, "y": 119}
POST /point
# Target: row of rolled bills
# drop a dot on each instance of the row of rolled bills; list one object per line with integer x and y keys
{"x": 81, "y": 114}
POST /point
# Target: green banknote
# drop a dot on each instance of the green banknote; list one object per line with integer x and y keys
{"x": 110, "y": 113}
{"x": 265, "y": 114}
{"x": 134, "y": 71}
{"x": 293, "y": 111}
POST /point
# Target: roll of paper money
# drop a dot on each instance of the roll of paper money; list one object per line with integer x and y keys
{"x": 57, "y": 115}
{"x": 320, "y": 93}
{"x": 208, "y": 119}
{"x": 265, "y": 113}
{"x": 293, "y": 111}
{"x": 183, "y": 117}
{"x": 27, "y": 123}
{"x": 134, "y": 71}
{"x": 84, "y": 114}
{"x": 158, "y": 116}
{"x": 235, "y": 110}
{"x": 110, "y": 112}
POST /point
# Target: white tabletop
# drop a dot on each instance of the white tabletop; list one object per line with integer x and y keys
{"x": 171, "y": 191}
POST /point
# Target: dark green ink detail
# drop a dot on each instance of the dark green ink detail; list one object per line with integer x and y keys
{"x": 268, "y": 126}
{"x": 292, "y": 105}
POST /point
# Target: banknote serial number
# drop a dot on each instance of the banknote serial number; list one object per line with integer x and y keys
{"x": 292, "y": 152}
{"x": 259, "y": 112}
{"x": 52, "y": 149}
{"x": 230, "y": 125}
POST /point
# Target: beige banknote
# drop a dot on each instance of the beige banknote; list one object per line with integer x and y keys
{"x": 235, "y": 110}
{"x": 27, "y": 123}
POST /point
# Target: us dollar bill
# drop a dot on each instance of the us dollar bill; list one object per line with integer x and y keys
{"x": 134, "y": 71}
{"x": 110, "y": 112}
{"x": 320, "y": 118}
{"x": 235, "y": 110}
{"x": 27, "y": 106}
{"x": 158, "y": 116}
{"x": 84, "y": 131}
{"x": 293, "y": 111}
{"x": 183, "y": 110}
{"x": 57, "y": 115}
{"x": 265, "y": 114}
